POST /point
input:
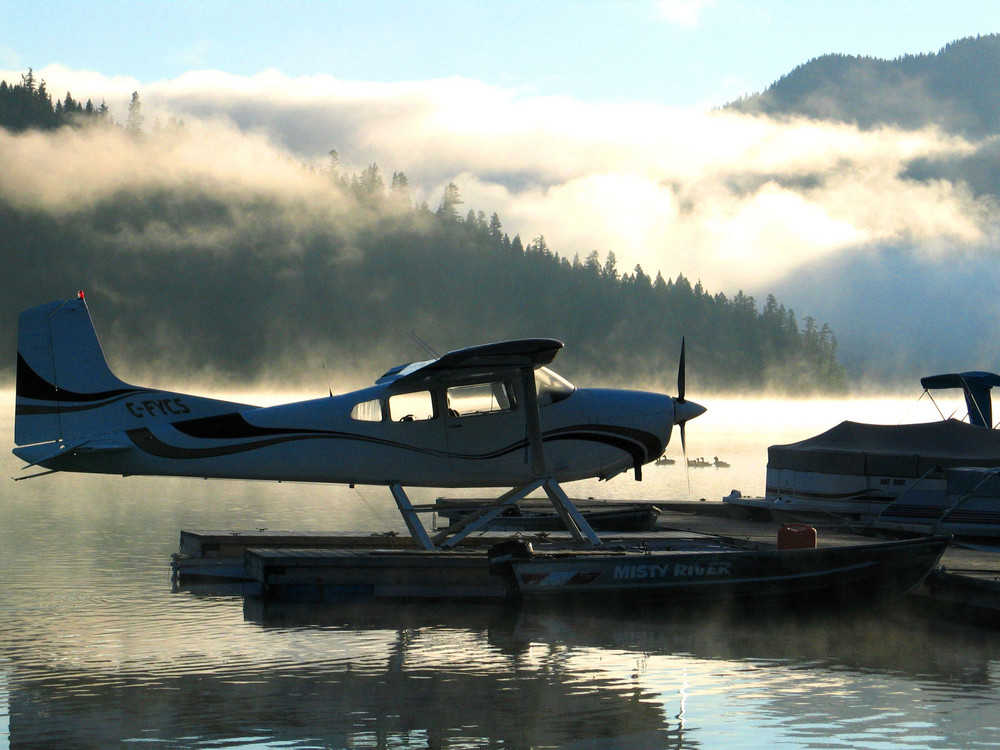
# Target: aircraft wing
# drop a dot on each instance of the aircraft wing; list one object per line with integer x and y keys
{"x": 485, "y": 358}
{"x": 960, "y": 380}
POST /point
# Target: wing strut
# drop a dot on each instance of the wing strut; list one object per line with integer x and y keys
{"x": 410, "y": 518}
{"x": 478, "y": 520}
{"x": 533, "y": 422}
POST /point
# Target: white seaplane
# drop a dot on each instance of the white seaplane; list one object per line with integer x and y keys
{"x": 485, "y": 416}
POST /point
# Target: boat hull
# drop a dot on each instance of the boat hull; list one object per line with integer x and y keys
{"x": 968, "y": 506}
{"x": 858, "y": 473}
{"x": 961, "y": 502}
{"x": 529, "y": 516}
{"x": 841, "y": 576}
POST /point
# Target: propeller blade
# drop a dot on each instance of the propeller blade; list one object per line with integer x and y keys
{"x": 687, "y": 466}
{"x": 684, "y": 410}
{"x": 680, "y": 375}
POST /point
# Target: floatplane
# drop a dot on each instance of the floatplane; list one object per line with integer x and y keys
{"x": 492, "y": 415}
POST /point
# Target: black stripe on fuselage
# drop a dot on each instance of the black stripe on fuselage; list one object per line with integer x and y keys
{"x": 147, "y": 442}
{"x": 641, "y": 445}
{"x": 233, "y": 426}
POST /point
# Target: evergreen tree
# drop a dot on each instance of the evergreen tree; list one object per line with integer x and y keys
{"x": 450, "y": 202}
{"x": 610, "y": 269}
{"x": 370, "y": 184}
{"x": 135, "y": 120}
{"x": 399, "y": 190}
{"x": 495, "y": 229}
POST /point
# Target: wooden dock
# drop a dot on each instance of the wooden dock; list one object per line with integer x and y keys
{"x": 331, "y": 574}
{"x": 318, "y": 566}
{"x": 215, "y": 544}
{"x": 279, "y": 560}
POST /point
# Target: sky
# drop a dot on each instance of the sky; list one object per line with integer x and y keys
{"x": 592, "y": 123}
{"x": 677, "y": 53}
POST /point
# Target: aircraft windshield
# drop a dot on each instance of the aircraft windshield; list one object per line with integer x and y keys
{"x": 551, "y": 387}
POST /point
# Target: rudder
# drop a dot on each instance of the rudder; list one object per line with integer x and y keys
{"x": 61, "y": 371}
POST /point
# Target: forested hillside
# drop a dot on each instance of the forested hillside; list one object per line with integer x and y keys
{"x": 955, "y": 89}
{"x": 206, "y": 278}
{"x": 28, "y": 105}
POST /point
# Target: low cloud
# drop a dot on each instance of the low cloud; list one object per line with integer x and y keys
{"x": 683, "y": 13}
{"x": 738, "y": 201}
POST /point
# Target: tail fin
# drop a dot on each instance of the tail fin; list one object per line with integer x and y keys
{"x": 62, "y": 376}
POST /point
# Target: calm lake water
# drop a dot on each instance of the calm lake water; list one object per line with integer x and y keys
{"x": 98, "y": 651}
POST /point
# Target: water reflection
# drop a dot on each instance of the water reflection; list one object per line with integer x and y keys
{"x": 458, "y": 676}
{"x": 441, "y": 685}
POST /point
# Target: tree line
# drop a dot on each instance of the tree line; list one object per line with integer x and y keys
{"x": 954, "y": 89}
{"x": 280, "y": 292}
{"x": 28, "y": 105}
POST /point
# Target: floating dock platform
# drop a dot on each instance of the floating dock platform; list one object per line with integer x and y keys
{"x": 288, "y": 565}
{"x": 319, "y": 566}
{"x": 325, "y": 575}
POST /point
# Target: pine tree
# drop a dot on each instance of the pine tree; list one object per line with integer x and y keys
{"x": 370, "y": 183}
{"x": 495, "y": 229}
{"x": 450, "y": 201}
{"x": 135, "y": 120}
{"x": 399, "y": 190}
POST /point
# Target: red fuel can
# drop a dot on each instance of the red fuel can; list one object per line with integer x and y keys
{"x": 796, "y": 536}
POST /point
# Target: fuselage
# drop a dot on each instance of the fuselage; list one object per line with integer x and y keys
{"x": 443, "y": 435}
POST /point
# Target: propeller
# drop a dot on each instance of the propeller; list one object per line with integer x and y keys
{"x": 680, "y": 375}
{"x": 684, "y": 410}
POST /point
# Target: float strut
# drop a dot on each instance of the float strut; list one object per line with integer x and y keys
{"x": 416, "y": 528}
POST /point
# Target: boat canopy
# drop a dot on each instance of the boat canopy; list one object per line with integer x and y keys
{"x": 975, "y": 385}
{"x": 908, "y": 450}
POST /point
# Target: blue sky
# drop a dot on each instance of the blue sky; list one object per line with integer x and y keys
{"x": 676, "y": 53}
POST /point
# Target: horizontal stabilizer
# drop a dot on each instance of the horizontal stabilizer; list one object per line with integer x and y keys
{"x": 39, "y": 454}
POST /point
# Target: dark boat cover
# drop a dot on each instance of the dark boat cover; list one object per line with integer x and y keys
{"x": 908, "y": 450}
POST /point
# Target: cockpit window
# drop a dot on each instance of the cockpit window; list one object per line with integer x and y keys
{"x": 551, "y": 386}
{"x": 411, "y": 407}
{"x": 481, "y": 398}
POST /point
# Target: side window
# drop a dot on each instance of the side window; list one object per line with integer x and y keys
{"x": 367, "y": 411}
{"x": 482, "y": 398}
{"x": 411, "y": 407}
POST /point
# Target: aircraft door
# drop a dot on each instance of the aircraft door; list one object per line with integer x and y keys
{"x": 416, "y": 429}
{"x": 486, "y": 432}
